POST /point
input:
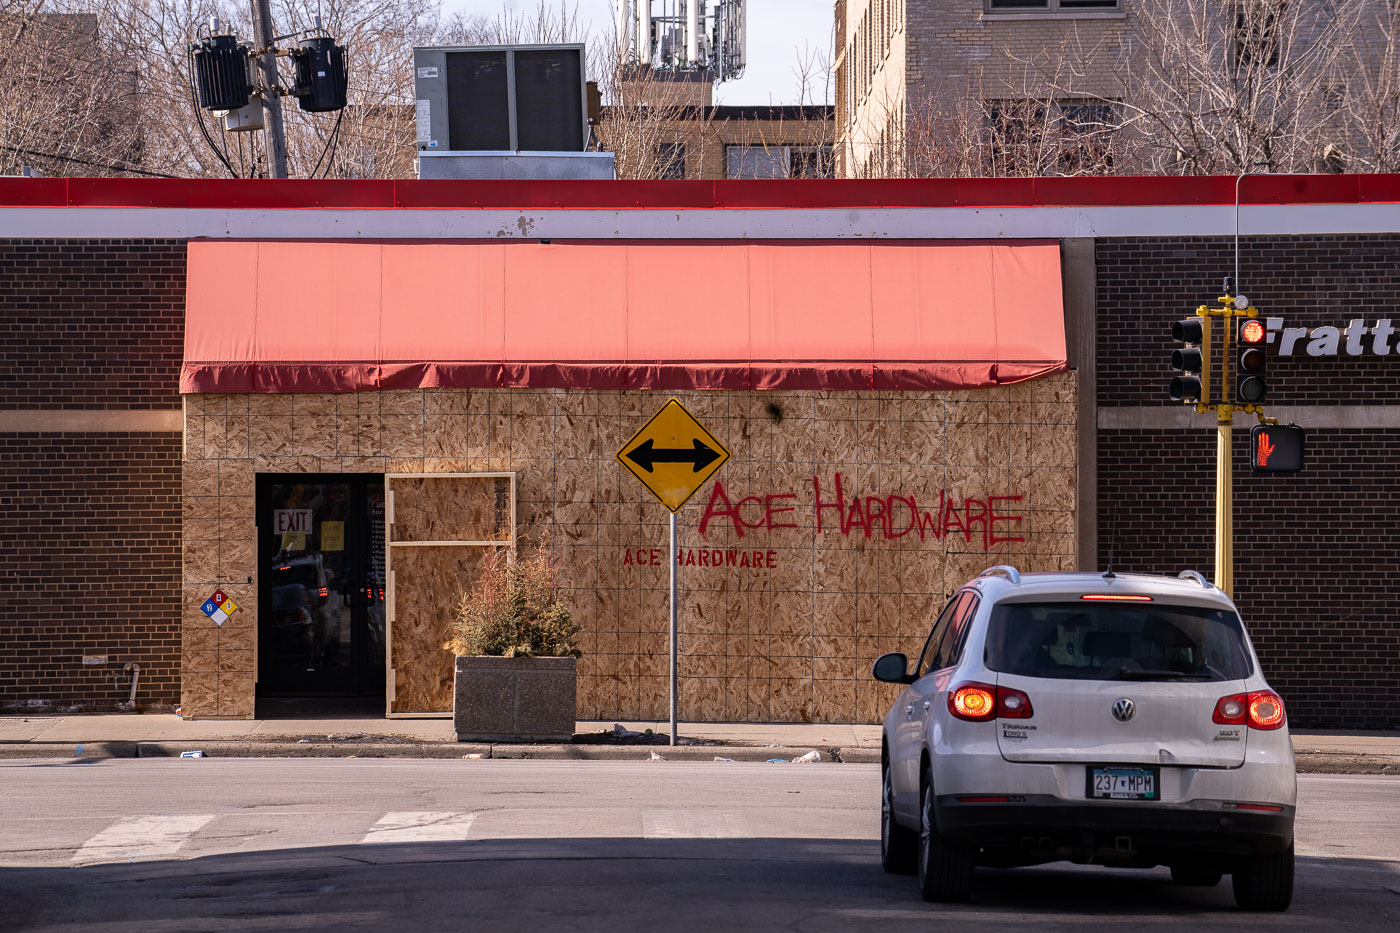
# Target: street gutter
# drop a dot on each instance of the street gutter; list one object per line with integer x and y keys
{"x": 1308, "y": 762}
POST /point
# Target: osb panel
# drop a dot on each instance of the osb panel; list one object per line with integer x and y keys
{"x": 451, "y": 509}
{"x": 789, "y": 588}
{"x": 427, "y": 583}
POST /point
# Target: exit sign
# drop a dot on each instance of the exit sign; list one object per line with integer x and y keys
{"x": 291, "y": 521}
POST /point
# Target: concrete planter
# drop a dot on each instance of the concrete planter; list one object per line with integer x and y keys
{"x": 514, "y": 699}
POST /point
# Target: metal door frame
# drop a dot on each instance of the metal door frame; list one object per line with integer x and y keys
{"x": 358, "y": 484}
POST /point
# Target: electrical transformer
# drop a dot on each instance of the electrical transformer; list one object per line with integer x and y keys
{"x": 320, "y": 75}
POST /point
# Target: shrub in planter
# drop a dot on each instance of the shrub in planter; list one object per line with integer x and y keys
{"x": 513, "y": 634}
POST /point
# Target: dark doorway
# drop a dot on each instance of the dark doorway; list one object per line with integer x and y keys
{"x": 321, "y": 585}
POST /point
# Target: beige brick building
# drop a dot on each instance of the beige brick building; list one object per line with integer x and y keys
{"x": 1066, "y": 87}
{"x": 895, "y": 56}
{"x": 678, "y": 132}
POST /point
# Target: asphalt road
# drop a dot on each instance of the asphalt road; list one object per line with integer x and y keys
{"x": 420, "y": 845}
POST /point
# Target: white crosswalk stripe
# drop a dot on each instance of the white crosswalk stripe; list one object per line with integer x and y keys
{"x": 693, "y": 824}
{"x": 140, "y": 838}
{"x": 420, "y": 826}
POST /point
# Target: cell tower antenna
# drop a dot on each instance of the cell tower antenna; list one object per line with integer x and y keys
{"x": 683, "y": 37}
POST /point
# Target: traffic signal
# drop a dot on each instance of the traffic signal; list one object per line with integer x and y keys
{"x": 1276, "y": 448}
{"x": 1188, "y": 360}
{"x": 1250, "y": 386}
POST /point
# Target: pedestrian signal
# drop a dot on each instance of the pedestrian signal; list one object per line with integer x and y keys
{"x": 1276, "y": 448}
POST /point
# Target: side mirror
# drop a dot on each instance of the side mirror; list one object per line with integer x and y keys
{"x": 892, "y": 669}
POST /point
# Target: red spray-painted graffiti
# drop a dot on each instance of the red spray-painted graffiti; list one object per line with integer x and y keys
{"x": 891, "y": 516}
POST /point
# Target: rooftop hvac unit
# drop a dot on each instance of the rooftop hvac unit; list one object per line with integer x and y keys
{"x": 530, "y": 98}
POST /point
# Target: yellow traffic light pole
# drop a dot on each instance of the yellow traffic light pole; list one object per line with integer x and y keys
{"x": 1224, "y": 422}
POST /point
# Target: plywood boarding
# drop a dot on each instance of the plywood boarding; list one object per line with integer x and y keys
{"x": 441, "y": 528}
{"x": 436, "y": 509}
{"x": 789, "y": 598}
{"x": 427, "y": 584}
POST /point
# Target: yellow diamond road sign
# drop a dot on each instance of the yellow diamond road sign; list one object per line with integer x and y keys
{"x": 673, "y": 455}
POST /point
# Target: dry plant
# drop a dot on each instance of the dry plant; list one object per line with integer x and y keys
{"x": 68, "y": 96}
{"x": 372, "y": 137}
{"x": 1196, "y": 87}
{"x": 1228, "y": 86}
{"x": 1367, "y": 103}
{"x": 515, "y": 609}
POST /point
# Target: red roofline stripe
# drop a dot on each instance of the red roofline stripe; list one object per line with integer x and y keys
{"x": 386, "y": 194}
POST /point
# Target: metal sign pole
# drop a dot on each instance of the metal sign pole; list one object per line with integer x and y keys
{"x": 672, "y": 455}
{"x": 675, "y": 572}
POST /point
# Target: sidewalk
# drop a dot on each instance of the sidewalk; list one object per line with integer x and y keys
{"x": 166, "y": 735}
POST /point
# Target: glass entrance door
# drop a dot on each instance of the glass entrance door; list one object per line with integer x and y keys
{"x": 321, "y": 585}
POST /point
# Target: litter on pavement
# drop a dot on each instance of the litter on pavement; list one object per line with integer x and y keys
{"x": 191, "y": 754}
{"x": 813, "y": 755}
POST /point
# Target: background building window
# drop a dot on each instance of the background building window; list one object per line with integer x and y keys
{"x": 778, "y": 162}
{"x": 670, "y": 160}
{"x": 811, "y": 162}
{"x": 1086, "y": 137}
{"x": 1049, "y": 6}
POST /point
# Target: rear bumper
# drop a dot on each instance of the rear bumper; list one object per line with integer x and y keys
{"x": 1154, "y": 831}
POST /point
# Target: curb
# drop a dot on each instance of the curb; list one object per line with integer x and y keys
{"x": 1307, "y": 762}
{"x": 440, "y": 750}
{"x": 1330, "y": 763}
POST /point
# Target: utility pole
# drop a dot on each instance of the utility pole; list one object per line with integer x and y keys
{"x": 272, "y": 101}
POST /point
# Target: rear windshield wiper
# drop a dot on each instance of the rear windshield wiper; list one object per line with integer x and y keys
{"x": 1125, "y": 673}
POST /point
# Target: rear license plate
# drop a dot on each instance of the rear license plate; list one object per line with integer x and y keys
{"x": 1115, "y": 783}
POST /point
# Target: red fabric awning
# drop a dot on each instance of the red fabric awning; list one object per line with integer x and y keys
{"x": 348, "y": 316}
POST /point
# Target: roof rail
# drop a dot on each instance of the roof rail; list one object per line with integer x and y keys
{"x": 1012, "y": 573}
{"x": 1196, "y": 575}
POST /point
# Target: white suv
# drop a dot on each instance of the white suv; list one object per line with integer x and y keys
{"x": 1101, "y": 719}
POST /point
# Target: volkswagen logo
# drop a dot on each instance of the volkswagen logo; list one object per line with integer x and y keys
{"x": 1123, "y": 709}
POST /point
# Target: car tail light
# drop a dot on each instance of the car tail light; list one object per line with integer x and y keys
{"x": 324, "y": 591}
{"x": 973, "y": 702}
{"x": 1231, "y": 710}
{"x": 1265, "y": 710}
{"x": 1116, "y": 598}
{"x": 1013, "y": 704}
{"x": 1262, "y": 709}
{"x": 983, "y": 702}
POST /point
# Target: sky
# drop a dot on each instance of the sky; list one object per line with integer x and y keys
{"x": 779, "y": 32}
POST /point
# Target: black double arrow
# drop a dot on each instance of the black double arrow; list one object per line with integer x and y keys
{"x": 646, "y": 456}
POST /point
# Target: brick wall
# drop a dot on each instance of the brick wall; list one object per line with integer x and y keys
{"x": 1145, "y": 284}
{"x": 91, "y": 323}
{"x": 90, "y": 522}
{"x": 1314, "y": 552}
{"x": 1314, "y": 557}
{"x": 89, "y": 565}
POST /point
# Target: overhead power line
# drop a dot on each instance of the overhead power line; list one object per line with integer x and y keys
{"x": 63, "y": 158}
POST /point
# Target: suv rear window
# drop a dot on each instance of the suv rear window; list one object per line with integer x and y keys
{"x": 1116, "y": 641}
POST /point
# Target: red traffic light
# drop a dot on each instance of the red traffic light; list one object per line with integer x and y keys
{"x": 1250, "y": 384}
